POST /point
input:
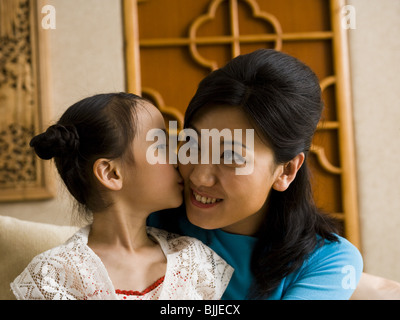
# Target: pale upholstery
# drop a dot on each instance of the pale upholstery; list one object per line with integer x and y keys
{"x": 372, "y": 287}
{"x": 20, "y": 241}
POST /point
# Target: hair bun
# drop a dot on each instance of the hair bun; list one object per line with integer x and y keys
{"x": 58, "y": 141}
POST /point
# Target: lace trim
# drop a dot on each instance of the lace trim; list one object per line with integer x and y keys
{"x": 73, "y": 271}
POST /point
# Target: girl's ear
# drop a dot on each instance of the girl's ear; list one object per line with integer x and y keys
{"x": 108, "y": 172}
{"x": 288, "y": 173}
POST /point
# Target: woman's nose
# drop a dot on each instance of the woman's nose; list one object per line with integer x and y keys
{"x": 203, "y": 175}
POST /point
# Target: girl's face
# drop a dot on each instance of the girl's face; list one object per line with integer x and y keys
{"x": 217, "y": 197}
{"x": 151, "y": 187}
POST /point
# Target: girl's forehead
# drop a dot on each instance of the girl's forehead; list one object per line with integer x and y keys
{"x": 149, "y": 117}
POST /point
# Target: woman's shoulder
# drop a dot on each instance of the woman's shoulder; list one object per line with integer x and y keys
{"x": 341, "y": 251}
{"x": 332, "y": 271}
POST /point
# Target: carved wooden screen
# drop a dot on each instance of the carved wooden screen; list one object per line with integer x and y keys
{"x": 173, "y": 44}
{"x": 23, "y": 101}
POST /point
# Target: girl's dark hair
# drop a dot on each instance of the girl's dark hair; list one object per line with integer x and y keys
{"x": 101, "y": 126}
{"x": 281, "y": 96}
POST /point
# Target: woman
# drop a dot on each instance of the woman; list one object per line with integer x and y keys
{"x": 99, "y": 146}
{"x": 264, "y": 224}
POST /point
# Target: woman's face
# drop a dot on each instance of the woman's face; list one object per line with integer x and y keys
{"x": 215, "y": 195}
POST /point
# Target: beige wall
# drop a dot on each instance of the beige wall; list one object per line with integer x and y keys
{"x": 375, "y": 58}
{"x": 87, "y": 58}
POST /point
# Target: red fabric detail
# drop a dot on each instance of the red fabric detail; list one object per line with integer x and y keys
{"x": 141, "y": 293}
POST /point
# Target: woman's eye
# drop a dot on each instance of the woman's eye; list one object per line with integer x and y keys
{"x": 232, "y": 157}
{"x": 162, "y": 146}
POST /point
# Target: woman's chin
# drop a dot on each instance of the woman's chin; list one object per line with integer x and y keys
{"x": 200, "y": 222}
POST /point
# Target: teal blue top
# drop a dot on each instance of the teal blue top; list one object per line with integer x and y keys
{"x": 331, "y": 271}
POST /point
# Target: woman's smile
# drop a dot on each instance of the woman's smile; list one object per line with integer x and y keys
{"x": 203, "y": 200}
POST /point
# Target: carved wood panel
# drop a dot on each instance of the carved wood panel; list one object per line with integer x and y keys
{"x": 23, "y": 101}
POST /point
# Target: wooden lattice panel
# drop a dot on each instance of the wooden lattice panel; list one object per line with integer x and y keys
{"x": 173, "y": 44}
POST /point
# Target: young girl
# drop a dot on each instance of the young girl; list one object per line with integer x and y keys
{"x": 99, "y": 146}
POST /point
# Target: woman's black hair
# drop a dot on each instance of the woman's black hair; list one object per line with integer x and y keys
{"x": 101, "y": 126}
{"x": 281, "y": 96}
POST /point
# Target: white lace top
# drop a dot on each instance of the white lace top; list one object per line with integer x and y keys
{"x": 72, "y": 271}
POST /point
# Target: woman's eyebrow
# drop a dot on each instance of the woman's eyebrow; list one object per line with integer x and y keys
{"x": 194, "y": 128}
{"x": 234, "y": 142}
{"x": 222, "y": 142}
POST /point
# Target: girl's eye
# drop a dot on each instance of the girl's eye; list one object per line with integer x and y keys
{"x": 231, "y": 157}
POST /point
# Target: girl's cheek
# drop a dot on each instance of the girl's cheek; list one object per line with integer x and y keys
{"x": 183, "y": 170}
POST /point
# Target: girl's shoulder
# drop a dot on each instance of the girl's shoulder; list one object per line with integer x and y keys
{"x": 60, "y": 254}
{"x": 58, "y": 273}
{"x": 186, "y": 247}
{"x": 193, "y": 267}
{"x": 172, "y": 242}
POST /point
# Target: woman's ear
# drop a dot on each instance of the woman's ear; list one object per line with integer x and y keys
{"x": 108, "y": 172}
{"x": 288, "y": 173}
